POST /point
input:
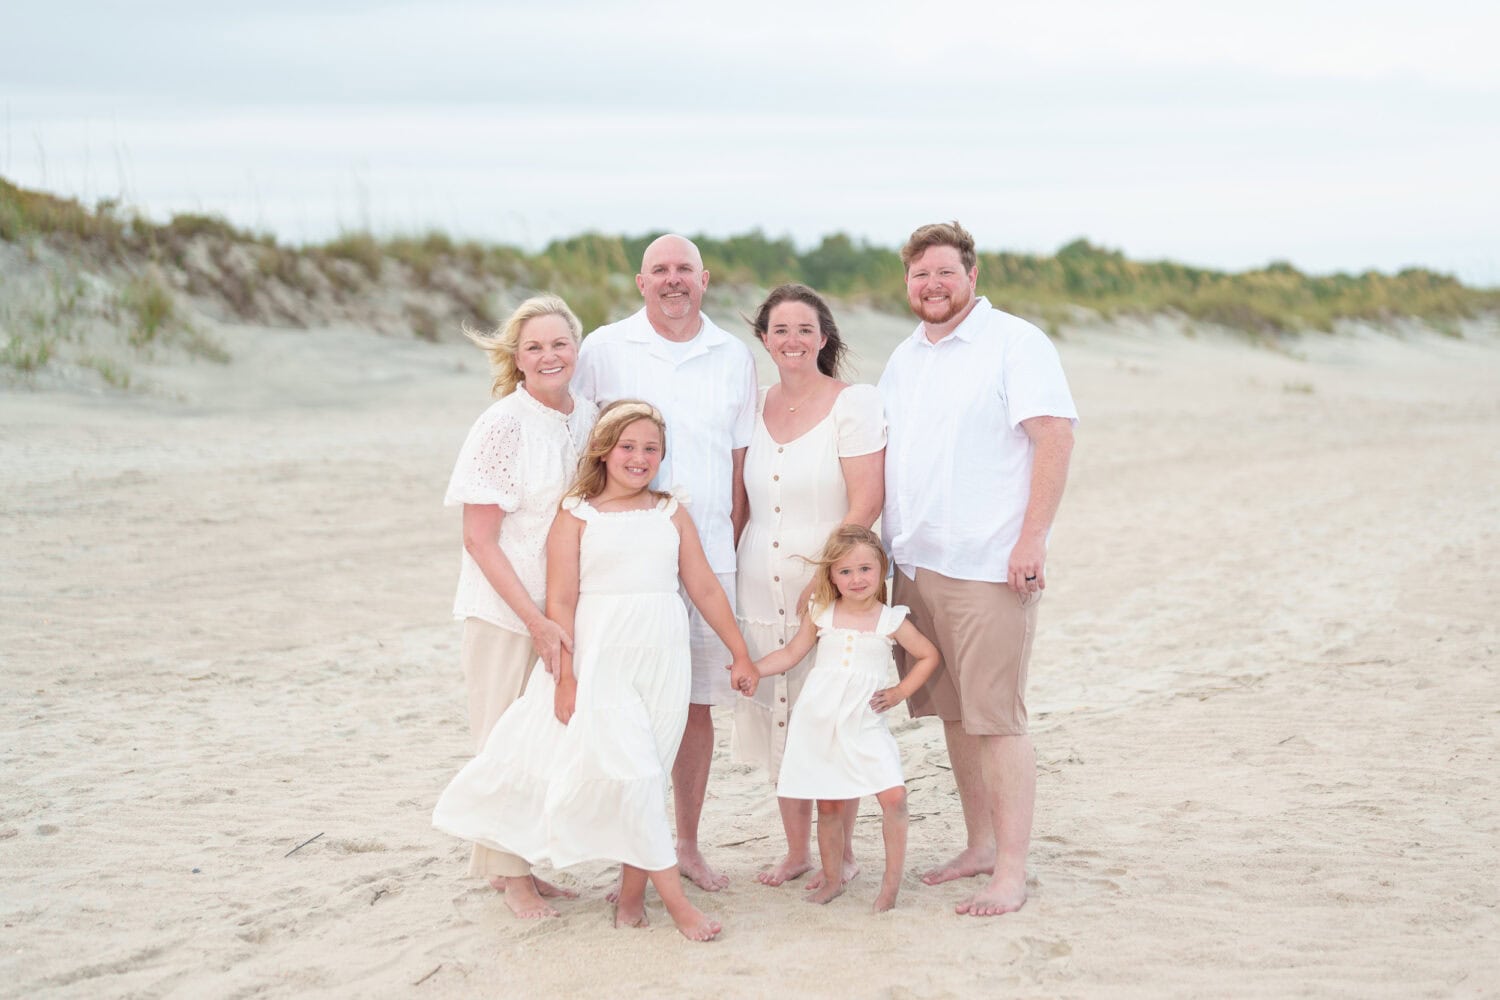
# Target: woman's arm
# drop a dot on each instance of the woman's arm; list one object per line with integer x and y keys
{"x": 916, "y": 644}
{"x": 562, "y": 602}
{"x": 482, "y": 526}
{"x": 864, "y": 483}
{"x": 705, "y": 591}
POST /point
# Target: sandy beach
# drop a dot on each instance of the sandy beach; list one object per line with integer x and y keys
{"x": 1265, "y": 697}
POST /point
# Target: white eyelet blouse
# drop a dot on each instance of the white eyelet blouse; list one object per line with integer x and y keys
{"x": 520, "y": 455}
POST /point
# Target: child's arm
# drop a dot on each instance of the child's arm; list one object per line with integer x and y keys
{"x": 562, "y": 602}
{"x": 916, "y": 644}
{"x": 791, "y": 654}
{"x": 706, "y": 593}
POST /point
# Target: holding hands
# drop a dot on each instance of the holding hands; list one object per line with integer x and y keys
{"x": 744, "y": 677}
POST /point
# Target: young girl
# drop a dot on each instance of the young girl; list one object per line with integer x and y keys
{"x": 576, "y": 770}
{"x": 837, "y": 747}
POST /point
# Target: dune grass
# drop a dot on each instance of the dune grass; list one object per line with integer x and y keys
{"x": 594, "y": 273}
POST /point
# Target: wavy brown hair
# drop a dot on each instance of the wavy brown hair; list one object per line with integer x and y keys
{"x": 613, "y": 419}
{"x": 940, "y": 234}
{"x": 831, "y": 357}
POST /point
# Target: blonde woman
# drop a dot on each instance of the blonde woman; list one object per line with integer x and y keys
{"x": 515, "y": 464}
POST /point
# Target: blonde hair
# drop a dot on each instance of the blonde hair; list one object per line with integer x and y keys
{"x": 613, "y": 419}
{"x": 844, "y": 540}
{"x": 501, "y": 345}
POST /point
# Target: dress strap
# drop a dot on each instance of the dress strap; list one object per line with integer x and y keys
{"x": 891, "y": 619}
{"x": 823, "y": 617}
{"x": 579, "y": 508}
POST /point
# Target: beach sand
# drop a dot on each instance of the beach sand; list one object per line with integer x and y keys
{"x": 1264, "y": 696}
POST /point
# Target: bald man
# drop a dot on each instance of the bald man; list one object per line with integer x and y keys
{"x": 703, "y": 381}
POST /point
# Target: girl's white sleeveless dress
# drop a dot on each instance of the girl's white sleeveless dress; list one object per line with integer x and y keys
{"x": 594, "y": 790}
{"x": 837, "y": 746}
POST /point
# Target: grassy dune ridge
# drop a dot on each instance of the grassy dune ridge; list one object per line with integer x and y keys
{"x": 88, "y": 286}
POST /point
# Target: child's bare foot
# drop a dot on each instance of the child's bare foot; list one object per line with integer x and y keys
{"x": 784, "y": 870}
{"x": 521, "y": 896}
{"x": 696, "y": 870}
{"x": 613, "y": 895}
{"x": 547, "y": 890}
{"x": 628, "y": 915}
{"x": 1001, "y": 895}
{"x": 970, "y": 861}
{"x": 693, "y": 923}
{"x": 850, "y": 871}
{"x": 824, "y": 893}
{"x": 887, "y": 898}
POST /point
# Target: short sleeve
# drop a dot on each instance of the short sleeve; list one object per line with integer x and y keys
{"x": 578, "y": 507}
{"x": 859, "y": 421}
{"x": 822, "y": 617}
{"x": 488, "y": 470}
{"x": 891, "y": 619}
{"x": 1035, "y": 385}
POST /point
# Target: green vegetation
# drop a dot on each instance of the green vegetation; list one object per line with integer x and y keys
{"x": 594, "y": 272}
{"x": 150, "y": 307}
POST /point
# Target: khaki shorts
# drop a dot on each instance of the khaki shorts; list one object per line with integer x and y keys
{"x": 983, "y": 632}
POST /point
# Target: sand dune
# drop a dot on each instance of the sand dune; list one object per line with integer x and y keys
{"x": 1265, "y": 692}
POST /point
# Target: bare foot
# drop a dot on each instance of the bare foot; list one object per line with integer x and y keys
{"x": 784, "y": 870}
{"x": 850, "y": 870}
{"x": 693, "y": 923}
{"x": 613, "y": 895}
{"x": 547, "y": 890}
{"x": 887, "y": 899}
{"x": 824, "y": 893}
{"x": 1001, "y": 895}
{"x": 631, "y": 916}
{"x": 970, "y": 861}
{"x": 696, "y": 870}
{"x": 522, "y": 898}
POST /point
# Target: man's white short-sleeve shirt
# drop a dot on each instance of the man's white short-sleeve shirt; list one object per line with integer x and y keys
{"x": 706, "y": 390}
{"x": 958, "y": 462}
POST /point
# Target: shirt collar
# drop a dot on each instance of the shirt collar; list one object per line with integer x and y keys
{"x": 965, "y": 331}
{"x": 709, "y": 336}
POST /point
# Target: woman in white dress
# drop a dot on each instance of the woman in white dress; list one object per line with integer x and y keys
{"x": 515, "y": 464}
{"x": 817, "y": 460}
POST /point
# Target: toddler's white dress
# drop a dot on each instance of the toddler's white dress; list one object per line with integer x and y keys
{"x": 594, "y": 790}
{"x": 837, "y": 746}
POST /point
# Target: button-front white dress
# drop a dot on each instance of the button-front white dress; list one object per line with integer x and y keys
{"x": 797, "y": 497}
{"x": 837, "y": 746}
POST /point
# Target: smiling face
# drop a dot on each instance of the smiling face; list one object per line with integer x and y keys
{"x": 632, "y": 463}
{"x": 546, "y": 352}
{"x": 793, "y": 336}
{"x": 858, "y": 575}
{"x": 672, "y": 280}
{"x": 938, "y": 289}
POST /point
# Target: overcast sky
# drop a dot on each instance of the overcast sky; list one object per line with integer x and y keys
{"x": 1336, "y": 135}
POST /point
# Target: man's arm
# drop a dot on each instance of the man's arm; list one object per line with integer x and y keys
{"x": 739, "y": 508}
{"x": 1052, "y": 439}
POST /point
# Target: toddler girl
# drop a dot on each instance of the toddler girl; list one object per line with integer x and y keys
{"x": 837, "y": 746}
